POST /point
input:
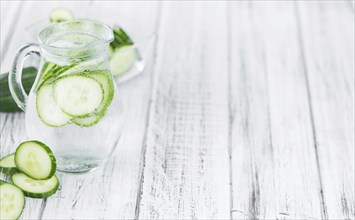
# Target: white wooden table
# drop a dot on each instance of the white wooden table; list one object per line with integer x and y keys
{"x": 245, "y": 111}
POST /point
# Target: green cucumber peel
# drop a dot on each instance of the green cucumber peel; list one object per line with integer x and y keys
{"x": 7, "y": 164}
{"x": 36, "y": 160}
{"x": 36, "y": 188}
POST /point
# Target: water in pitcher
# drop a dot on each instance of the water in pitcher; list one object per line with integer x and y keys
{"x": 81, "y": 129}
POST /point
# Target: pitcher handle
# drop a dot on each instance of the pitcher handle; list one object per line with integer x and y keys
{"x": 15, "y": 83}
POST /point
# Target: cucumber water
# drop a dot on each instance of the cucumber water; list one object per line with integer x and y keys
{"x": 74, "y": 107}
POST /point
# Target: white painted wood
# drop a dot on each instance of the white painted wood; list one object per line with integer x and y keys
{"x": 111, "y": 193}
{"x": 263, "y": 78}
{"x": 327, "y": 31}
{"x": 186, "y": 172}
{"x": 275, "y": 172}
{"x": 9, "y": 12}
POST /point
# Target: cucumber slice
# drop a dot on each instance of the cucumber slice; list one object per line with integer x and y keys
{"x": 89, "y": 121}
{"x": 122, "y": 60}
{"x": 78, "y": 95}
{"x": 106, "y": 82}
{"x": 47, "y": 109}
{"x": 7, "y": 164}
{"x": 61, "y": 14}
{"x": 36, "y": 188}
{"x": 36, "y": 160}
{"x": 12, "y": 201}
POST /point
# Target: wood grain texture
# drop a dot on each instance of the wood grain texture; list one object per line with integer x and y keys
{"x": 275, "y": 173}
{"x": 186, "y": 172}
{"x": 9, "y": 13}
{"x": 327, "y": 34}
{"x": 245, "y": 111}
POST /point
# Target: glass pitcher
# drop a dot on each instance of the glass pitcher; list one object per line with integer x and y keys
{"x": 73, "y": 106}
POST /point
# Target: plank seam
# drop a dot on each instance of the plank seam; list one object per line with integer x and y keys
{"x": 152, "y": 86}
{"x": 310, "y": 108}
{"x": 230, "y": 108}
{"x": 43, "y": 206}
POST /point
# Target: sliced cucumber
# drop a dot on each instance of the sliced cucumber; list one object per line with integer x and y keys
{"x": 122, "y": 60}
{"x": 78, "y": 95}
{"x": 36, "y": 188}
{"x": 36, "y": 160}
{"x": 7, "y": 164}
{"x": 47, "y": 109}
{"x": 50, "y": 70}
{"x": 61, "y": 14}
{"x": 12, "y": 201}
{"x": 89, "y": 121}
{"x": 106, "y": 82}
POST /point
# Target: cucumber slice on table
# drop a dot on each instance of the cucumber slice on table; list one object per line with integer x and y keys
{"x": 122, "y": 59}
{"x": 7, "y": 164}
{"x": 36, "y": 188}
{"x": 61, "y": 14}
{"x": 47, "y": 110}
{"x": 12, "y": 201}
{"x": 103, "y": 78}
{"x": 78, "y": 95}
{"x": 36, "y": 160}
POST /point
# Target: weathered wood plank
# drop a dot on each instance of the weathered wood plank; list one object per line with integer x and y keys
{"x": 186, "y": 171}
{"x": 9, "y": 14}
{"x": 274, "y": 168}
{"x": 327, "y": 34}
{"x": 111, "y": 193}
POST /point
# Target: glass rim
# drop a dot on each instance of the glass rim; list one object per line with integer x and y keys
{"x": 42, "y": 39}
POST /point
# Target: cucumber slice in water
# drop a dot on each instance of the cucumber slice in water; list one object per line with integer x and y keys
{"x": 36, "y": 160}
{"x": 61, "y": 14}
{"x": 47, "y": 110}
{"x": 90, "y": 120}
{"x": 78, "y": 95}
{"x": 122, "y": 60}
{"x": 7, "y": 164}
{"x": 12, "y": 201}
{"x": 106, "y": 82}
{"x": 36, "y": 188}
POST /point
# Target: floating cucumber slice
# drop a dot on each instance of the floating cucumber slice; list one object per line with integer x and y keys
{"x": 90, "y": 120}
{"x": 7, "y": 164}
{"x": 61, "y": 14}
{"x": 122, "y": 59}
{"x": 12, "y": 201}
{"x": 47, "y": 110}
{"x": 36, "y": 188}
{"x": 106, "y": 82}
{"x": 51, "y": 70}
{"x": 78, "y": 95}
{"x": 36, "y": 160}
